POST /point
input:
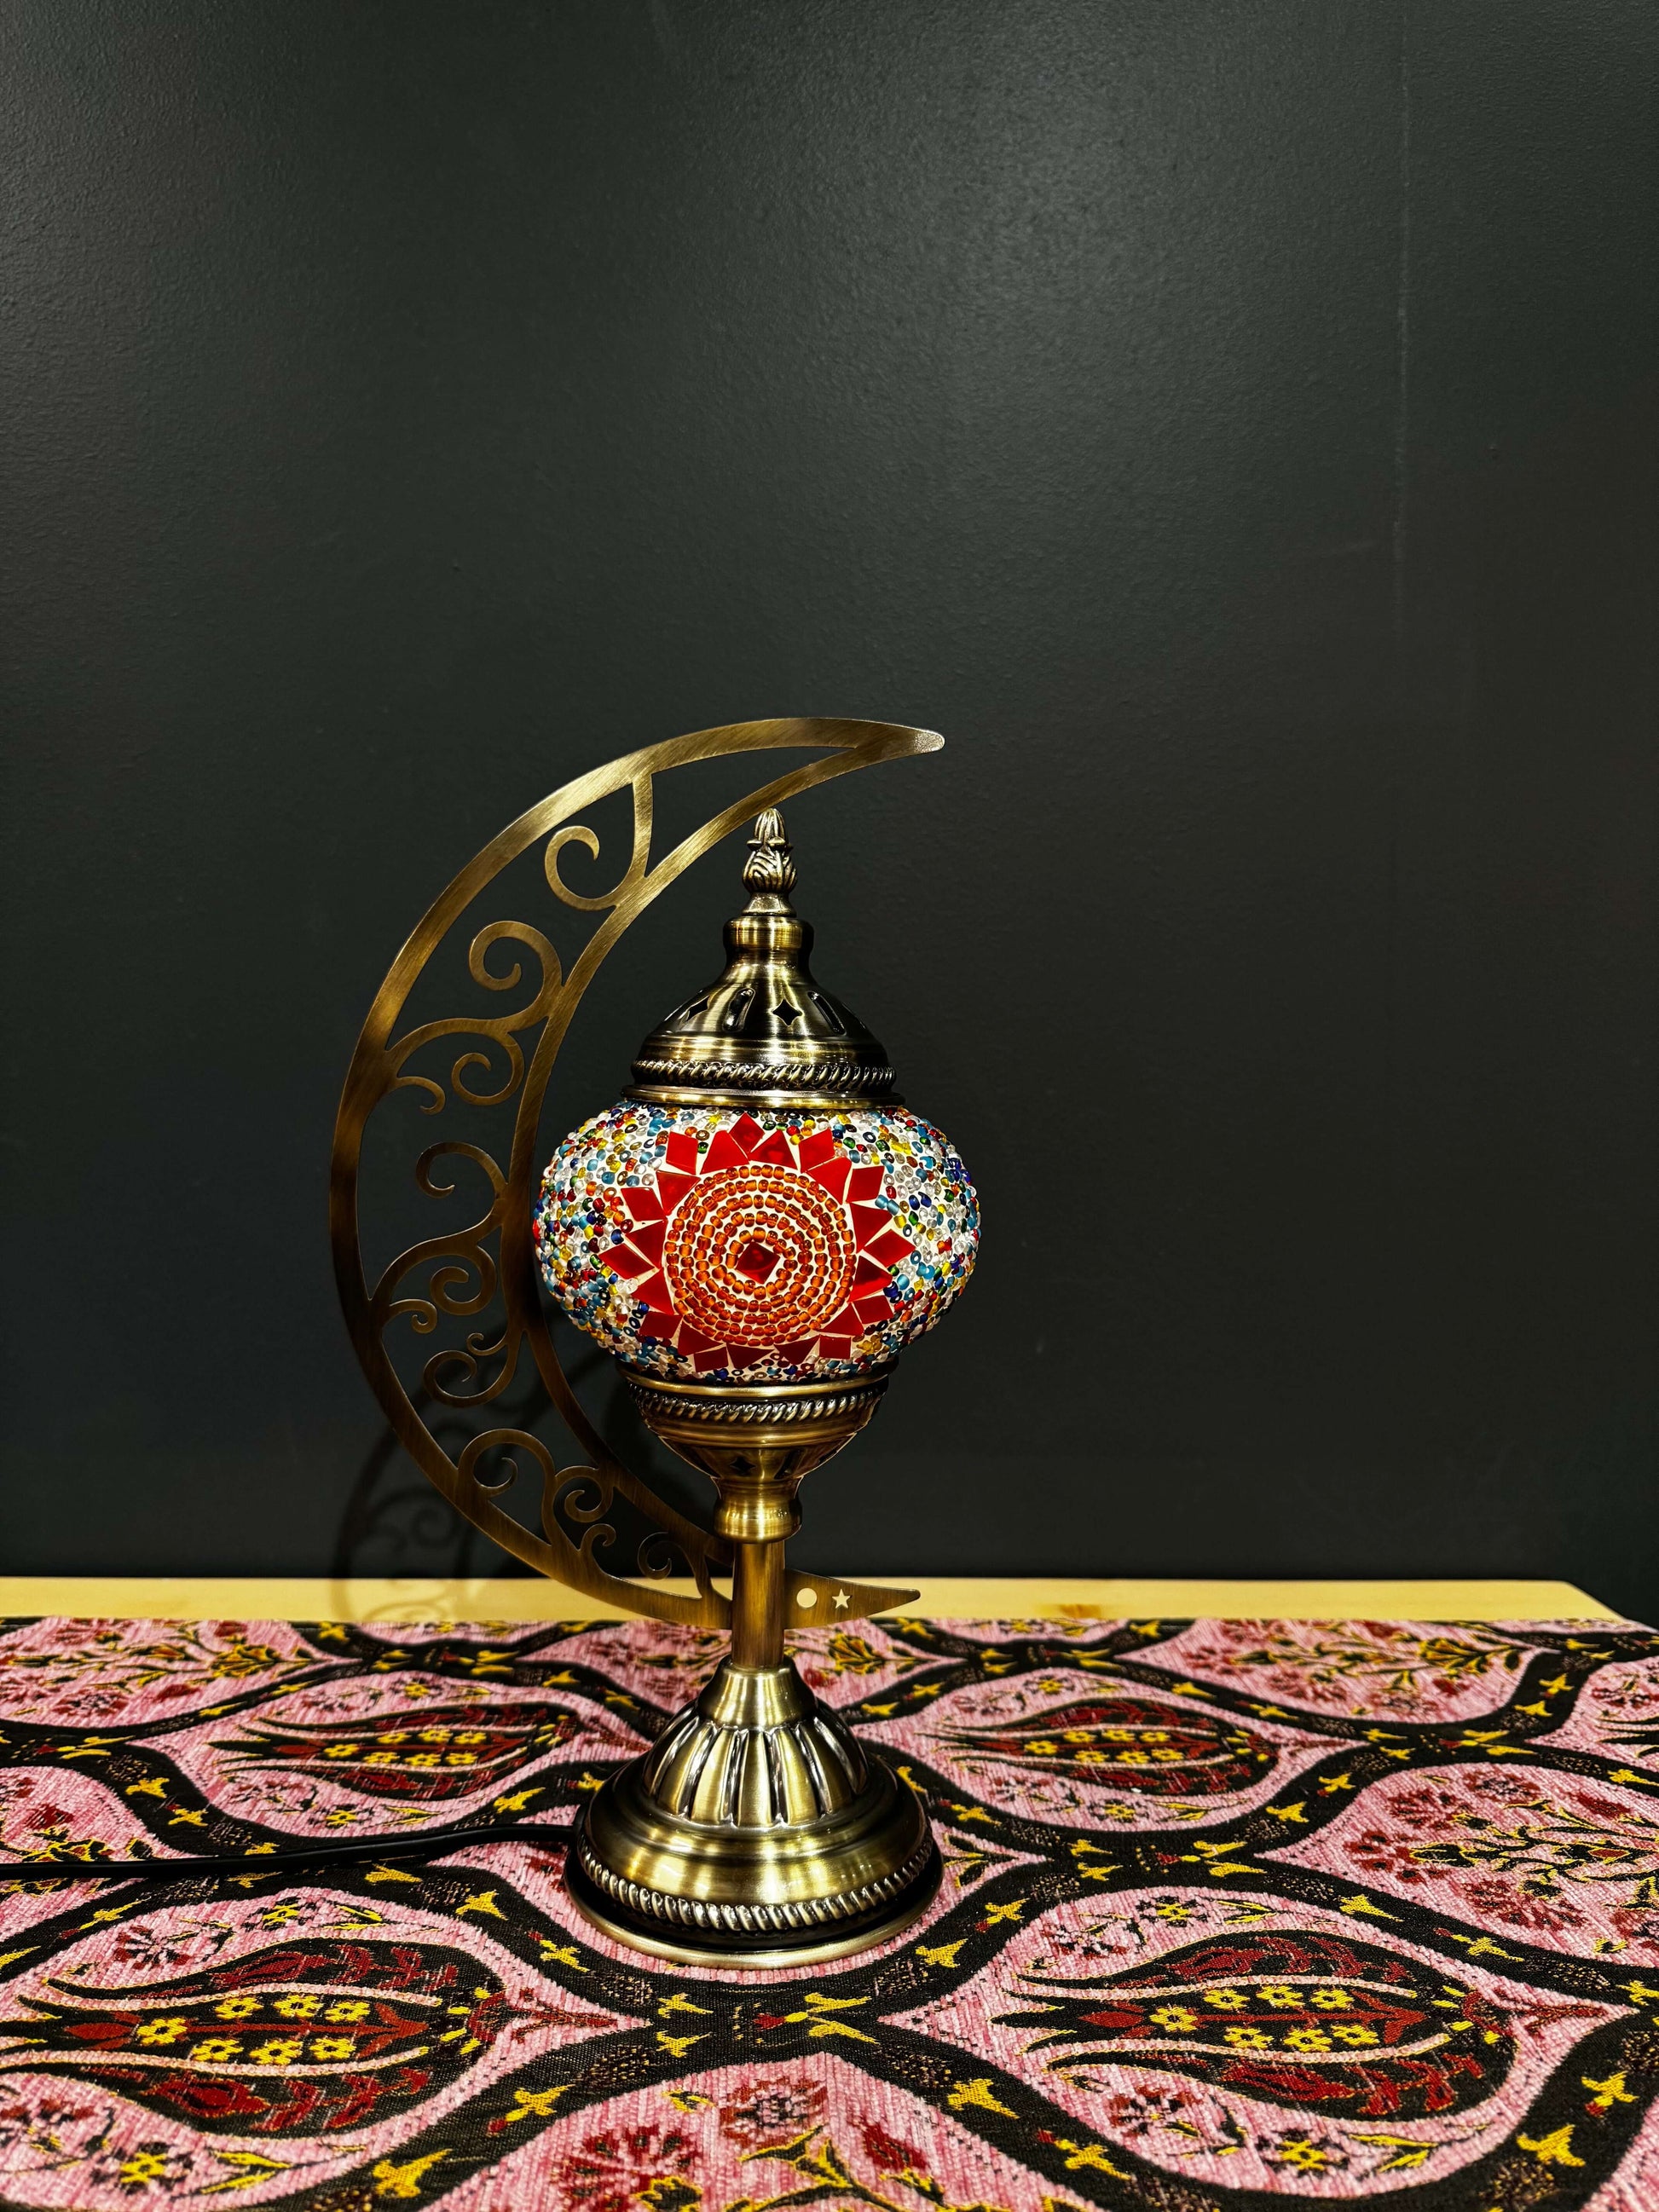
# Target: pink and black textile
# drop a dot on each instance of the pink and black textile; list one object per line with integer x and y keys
{"x": 1234, "y": 1913}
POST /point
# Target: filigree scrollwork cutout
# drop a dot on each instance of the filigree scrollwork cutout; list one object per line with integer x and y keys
{"x": 500, "y": 1030}
{"x": 486, "y": 1265}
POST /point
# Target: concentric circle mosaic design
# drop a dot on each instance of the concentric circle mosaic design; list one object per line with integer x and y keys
{"x": 769, "y": 1246}
{"x": 759, "y": 1255}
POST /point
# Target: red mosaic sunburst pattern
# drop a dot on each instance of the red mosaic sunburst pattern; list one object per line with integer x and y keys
{"x": 760, "y": 1255}
{"x": 769, "y": 1246}
{"x": 756, "y": 1241}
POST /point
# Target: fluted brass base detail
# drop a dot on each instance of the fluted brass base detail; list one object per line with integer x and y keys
{"x": 753, "y": 1832}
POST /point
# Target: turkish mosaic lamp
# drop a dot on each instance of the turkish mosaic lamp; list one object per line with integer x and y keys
{"x": 755, "y": 1232}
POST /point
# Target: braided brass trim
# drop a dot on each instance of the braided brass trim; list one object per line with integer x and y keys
{"x": 767, "y": 1410}
{"x": 750, "y": 1919}
{"x": 766, "y": 1075}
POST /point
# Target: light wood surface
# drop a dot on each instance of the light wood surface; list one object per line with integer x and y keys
{"x": 244, "y": 1598}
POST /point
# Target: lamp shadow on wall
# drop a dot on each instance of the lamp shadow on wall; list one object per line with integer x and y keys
{"x": 394, "y": 1525}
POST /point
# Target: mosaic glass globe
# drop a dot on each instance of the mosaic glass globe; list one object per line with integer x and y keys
{"x": 759, "y": 1207}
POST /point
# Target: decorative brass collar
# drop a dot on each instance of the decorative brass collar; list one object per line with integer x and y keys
{"x": 764, "y": 1033}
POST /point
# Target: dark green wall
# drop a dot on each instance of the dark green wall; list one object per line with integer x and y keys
{"x": 1232, "y": 425}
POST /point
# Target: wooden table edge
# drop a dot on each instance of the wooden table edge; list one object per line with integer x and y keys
{"x": 206, "y": 1597}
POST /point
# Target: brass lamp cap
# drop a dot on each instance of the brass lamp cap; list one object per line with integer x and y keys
{"x": 763, "y": 1033}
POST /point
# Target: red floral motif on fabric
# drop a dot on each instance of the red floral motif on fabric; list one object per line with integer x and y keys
{"x": 764, "y": 2112}
{"x": 758, "y": 1244}
{"x": 442, "y": 1753}
{"x": 1303, "y": 2020}
{"x": 1135, "y": 1743}
{"x": 297, "y": 2037}
{"x": 616, "y": 2169}
{"x": 1572, "y": 1868}
{"x": 1420, "y": 1670}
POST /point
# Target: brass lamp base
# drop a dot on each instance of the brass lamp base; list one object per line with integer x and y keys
{"x": 755, "y": 1831}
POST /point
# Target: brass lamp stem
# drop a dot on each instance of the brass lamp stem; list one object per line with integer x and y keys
{"x": 757, "y": 1512}
{"x": 757, "y": 1605}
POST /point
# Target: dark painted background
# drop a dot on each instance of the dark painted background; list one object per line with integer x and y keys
{"x": 1232, "y": 425}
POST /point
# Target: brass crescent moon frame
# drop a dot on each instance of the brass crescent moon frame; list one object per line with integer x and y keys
{"x": 461, "y": 1275}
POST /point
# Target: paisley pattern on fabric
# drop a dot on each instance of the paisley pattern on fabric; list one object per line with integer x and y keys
{"x": 1301, "y": 2020}
{"x": 1141, "y": 1743}
{"x": 1419, "y": 1670}
{"x": 86, "y": 1670}
{"x": 300, "y": 2036}
{"x": 1572, "y": 1867}
{"x": 1080, "y": 1745}
{"x": 441, "y": 1753}
{"x": 1233, "y": 1913}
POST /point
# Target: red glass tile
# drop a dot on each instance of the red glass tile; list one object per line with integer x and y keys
{"x": 890, "y": 1247}
{"x": 745, "y": 1133}
{"x": 623, "y": 1260}
{"x": 723, "y": 1149}
{"x": 671, "y": 1188}
{"x": 647, "y": 1236}
{"x": 757, "y": 1261}
{"x": 831, "y": 1174}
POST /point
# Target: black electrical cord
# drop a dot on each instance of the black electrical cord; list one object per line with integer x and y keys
{"x": 434, "y": 1842}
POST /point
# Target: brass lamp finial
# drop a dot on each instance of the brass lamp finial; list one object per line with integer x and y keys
{"x": 765, "y": 1032}
{"x": 770, "y": 866}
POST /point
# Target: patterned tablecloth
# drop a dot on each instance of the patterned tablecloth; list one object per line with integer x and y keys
{"x": 1234, "y": 1912}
